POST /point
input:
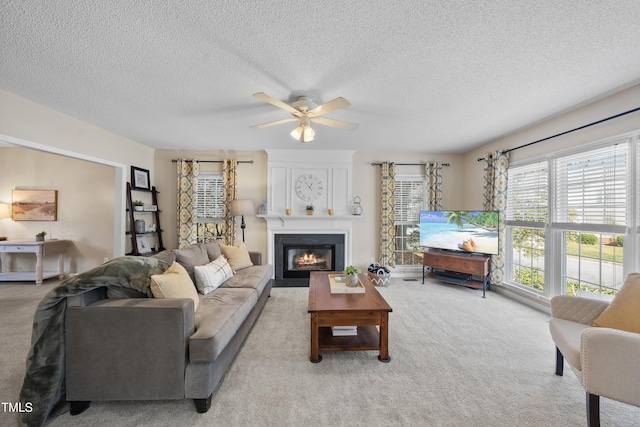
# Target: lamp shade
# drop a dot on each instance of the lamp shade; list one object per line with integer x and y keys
{"x": 242, "y": 207}
{"x": 4, "y": 211}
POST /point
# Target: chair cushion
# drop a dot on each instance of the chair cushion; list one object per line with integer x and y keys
{"x": 212, "y": 275}
{"x": 238, "y": 256}
{"x": 174, "y": 283}
{"x": 566, "y": 335}
{"x": 255, "y": 277}
{"x": 624, "y": 311}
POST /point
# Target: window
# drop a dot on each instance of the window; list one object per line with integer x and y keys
{"x": 591, "y": 209}
{"x": 409, "y": 194}
{"x": 209, "y": 206}
{"x": 568, "y": 216}
{"x": 526, "y": 218}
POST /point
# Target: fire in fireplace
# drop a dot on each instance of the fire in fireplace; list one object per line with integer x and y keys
{"x": 300, "y": 260}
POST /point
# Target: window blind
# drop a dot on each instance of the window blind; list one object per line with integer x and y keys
{"x": 528, "y": 193}
{"x": 409, "y": 193}
{"x": 209, "y": 198}
{"x": 592, "y": 187}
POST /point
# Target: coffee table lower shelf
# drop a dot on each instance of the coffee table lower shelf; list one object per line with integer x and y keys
{"x": 368, "y": 338}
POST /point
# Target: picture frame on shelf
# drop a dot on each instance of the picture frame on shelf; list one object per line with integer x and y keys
{"x": 140, "y": 179}
{"x": 144, "y": 245}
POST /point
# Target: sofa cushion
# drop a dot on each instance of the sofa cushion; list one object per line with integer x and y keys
{"x": 238, "y": 256}
{"x": 220, "y": 315}
{"x": 212, "y": 275}
{"x": 191, "y": 256}
{"x": 213, "y": 249}
{"x": 174, "y": 283}
{"x": 167, "y": 256}
{"x": 255, "y": 277}
{"x": 624, "y": 311}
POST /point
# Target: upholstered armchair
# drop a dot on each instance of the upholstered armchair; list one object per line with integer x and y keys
{"x": 605, "y": 360}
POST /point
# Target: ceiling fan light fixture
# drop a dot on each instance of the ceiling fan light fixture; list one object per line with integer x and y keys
{"x": 297, "y": 133}
{"x": 309, "y": 133}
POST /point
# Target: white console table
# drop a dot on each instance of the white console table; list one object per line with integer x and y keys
{"x": 41, "y": 250}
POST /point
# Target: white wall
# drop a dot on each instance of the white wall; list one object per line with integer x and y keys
{"x": 85, "y": 208}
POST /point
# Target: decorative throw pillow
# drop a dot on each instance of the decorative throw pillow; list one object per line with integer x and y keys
{"x": 212, "y": 275}
{"x": 174, "y": 283}
{"x": 624, "y": 311}
{"x": 213, "y": 249}
{"x": 191, "y": 256}
{"x": 238, "y": 256}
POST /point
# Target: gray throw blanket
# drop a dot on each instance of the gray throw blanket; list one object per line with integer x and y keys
{"x": 44, "y": 385}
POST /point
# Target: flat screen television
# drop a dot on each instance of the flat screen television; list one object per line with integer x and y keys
{"x": 462, "y": 231}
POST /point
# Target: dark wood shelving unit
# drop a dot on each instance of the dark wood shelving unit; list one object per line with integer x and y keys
{"x": 132, "y": 221}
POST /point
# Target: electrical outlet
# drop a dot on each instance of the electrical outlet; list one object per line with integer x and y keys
{"x": 106, "y": 259}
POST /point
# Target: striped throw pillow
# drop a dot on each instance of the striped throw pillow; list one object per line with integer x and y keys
{"x": 212, "y": 275}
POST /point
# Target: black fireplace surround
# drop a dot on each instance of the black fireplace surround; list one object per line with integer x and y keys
{"x": 331, "y": 245}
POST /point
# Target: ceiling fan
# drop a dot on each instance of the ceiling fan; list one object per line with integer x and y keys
{"x": 304, "y": 110}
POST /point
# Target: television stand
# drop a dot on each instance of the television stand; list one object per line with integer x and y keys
{"x": 457, "y": 269}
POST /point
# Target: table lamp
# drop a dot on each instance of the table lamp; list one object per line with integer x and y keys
{"x": 242, "y": 207}
{"x": 4, "y": 213}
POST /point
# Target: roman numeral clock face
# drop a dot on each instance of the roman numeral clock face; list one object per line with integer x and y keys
{"x": 309, "y": 187}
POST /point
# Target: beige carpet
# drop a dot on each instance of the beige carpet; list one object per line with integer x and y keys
{"x": 457, "y": 360}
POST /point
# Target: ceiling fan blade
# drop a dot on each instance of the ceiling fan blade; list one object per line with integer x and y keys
{"x": 334, "y": 123}
{"x": 328, "y": 107}
{"x": 277, "y": 122}
{"x": 271, "y": 100}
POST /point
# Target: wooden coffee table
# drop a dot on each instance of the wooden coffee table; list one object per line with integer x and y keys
{"x": 366, "y": 311}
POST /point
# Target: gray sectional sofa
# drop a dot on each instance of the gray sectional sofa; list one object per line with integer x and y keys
{"x": 122, "y": 346}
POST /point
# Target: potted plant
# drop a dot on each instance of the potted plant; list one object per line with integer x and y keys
{"x": 137, "y": 205}
{"x": 40, "y": 236}
{"x": 352, "y": 275}
{"x": 309, "y": 209}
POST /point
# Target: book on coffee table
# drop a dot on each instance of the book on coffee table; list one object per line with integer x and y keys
{"x": 344, "y": 331}
{"x": 338, "y": 285}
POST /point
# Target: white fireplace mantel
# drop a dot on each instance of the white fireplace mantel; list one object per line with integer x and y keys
{"x": 332, "y": 172}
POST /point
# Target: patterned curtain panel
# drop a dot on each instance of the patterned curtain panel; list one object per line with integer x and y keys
{"x": 433, "y": 186}
{"x": 187, "y": 187}
{"x": 387, "y": 215}
{"x": 495, "y": 198}
{"x": 229, "y": 181}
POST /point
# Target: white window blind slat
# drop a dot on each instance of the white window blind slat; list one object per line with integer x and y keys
{"x": 209, "y": 197}
{"x": 528, "y": 193}
{"x": 409, "y": 195}
{"x": 592, "y": 186}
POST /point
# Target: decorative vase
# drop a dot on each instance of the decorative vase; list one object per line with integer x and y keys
{"x": 309, "y": 212}
{"x": 140, "y": 226}
{"x": 39, "y": 238}
{"x": 352, "y": 280}
{"x": 138, "y": 208}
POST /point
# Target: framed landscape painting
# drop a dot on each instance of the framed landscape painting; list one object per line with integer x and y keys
{"x": 34, "y": 205}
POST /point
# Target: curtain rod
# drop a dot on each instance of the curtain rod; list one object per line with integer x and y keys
{"x": 569, "y": 131}
{"x": 406, "y": 164}
{"x": 213, "y": 161}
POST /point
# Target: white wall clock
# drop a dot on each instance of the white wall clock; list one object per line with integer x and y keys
{"x": 309, "y": 187}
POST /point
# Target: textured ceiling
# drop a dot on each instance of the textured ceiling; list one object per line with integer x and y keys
{"x": 431, "y": 76}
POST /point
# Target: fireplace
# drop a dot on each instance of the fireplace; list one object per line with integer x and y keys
{"x": 299, "y": 260}
{"x": 297, "y": 255}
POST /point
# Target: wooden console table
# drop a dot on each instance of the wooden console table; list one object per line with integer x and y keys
{"x": 458, "y": 269}
{"x": 41, "y": 250}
